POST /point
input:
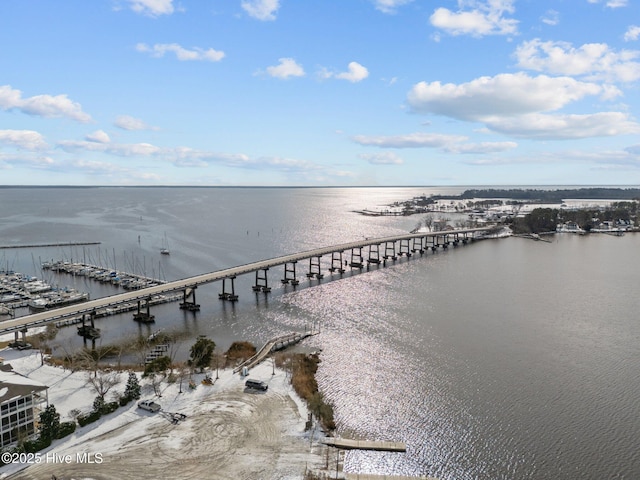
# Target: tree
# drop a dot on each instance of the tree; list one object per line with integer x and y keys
{"x": 98, "y": 404}
{"x": 201, "y": 352}
{"x": 103, "y": 382}
{"x": 42, "y": 340}
{"x": 49, "y": 424}
{"x": 160, "y": 365}
{"x": 132, "y": 390}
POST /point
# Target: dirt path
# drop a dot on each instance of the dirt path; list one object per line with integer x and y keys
{"x": 234, "y": 435}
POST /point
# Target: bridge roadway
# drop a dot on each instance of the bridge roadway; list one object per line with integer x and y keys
{"x": 42, "y": 318}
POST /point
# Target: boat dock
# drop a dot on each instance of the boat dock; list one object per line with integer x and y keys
{"x": 120, "y": 308}
{"x": 379, "y": 446}
{"x": 366, "y": 476}
{"x": 42, "y": 245}
{"x": 277, "y": 343}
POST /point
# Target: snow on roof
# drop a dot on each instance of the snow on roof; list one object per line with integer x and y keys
{"x": 13, "y": 385}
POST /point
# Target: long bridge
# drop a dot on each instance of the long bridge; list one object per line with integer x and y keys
{"x": 354, "y": 255}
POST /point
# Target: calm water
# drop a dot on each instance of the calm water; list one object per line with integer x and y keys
{"x": 504, "y": 359}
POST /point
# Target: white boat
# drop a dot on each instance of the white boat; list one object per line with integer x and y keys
{"x": 38, "y": 303}
{"x": 165, "y": 246}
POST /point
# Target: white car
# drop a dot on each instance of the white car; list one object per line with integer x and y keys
{"x": 149, "y": 405}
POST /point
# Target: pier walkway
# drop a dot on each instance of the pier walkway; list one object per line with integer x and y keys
{"x": 379, "y": 251}
{"x": 272, "y": 345}
{"x": 366, "y": 476}
{"x": 379, "y": 446}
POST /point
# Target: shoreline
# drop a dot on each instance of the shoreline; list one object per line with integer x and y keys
{"x": 227, "y": 428}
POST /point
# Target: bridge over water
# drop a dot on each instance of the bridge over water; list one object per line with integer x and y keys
{"x": 353, "y": 255}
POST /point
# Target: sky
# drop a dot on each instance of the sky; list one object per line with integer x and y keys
{"x": 320, "y": 93}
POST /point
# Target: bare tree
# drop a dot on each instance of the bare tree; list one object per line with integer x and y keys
{"x": 103, "y": 382}
{"x": 428, "y": 222}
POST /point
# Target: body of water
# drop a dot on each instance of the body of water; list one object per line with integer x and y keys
{"x": 502, "y": 359}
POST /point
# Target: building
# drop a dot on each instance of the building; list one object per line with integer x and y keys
{"x": 21, "y": 401}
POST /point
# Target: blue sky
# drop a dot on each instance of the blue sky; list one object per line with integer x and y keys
{"x": 331, "y": 92}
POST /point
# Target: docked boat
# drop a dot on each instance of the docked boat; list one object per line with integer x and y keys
{"x": 87, "y": 331}
{"x": 57, "y": 299}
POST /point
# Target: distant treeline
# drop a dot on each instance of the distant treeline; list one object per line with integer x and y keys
{"x": 553, "y": 196}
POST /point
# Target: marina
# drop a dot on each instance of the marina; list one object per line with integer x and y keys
{"x": 19, "y": 291}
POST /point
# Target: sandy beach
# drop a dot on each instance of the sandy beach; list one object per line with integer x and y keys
{"x": 229, "y": 432}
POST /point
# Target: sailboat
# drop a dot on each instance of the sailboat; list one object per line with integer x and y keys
{"x": 165, "y": 246}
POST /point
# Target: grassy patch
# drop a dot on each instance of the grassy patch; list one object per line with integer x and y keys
{"x": 240, "y": 351}
{"x": 303, "y": 370}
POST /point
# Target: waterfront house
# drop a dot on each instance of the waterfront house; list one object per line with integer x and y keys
{"x": 569, "y": 227}
{"x": 21, "y": 401}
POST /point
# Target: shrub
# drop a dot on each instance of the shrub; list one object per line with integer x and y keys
{"x": 110, "y": 407}
{"x": 159, "y": 364}
{"x": 88, "y": 418}
{"x": 32, "y": 446}
{"x": 66, "y": 428}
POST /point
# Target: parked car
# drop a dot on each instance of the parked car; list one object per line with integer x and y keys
{"x": 20, "y": 345}
{"x": 149, "y": 405}
{"x": 256, "y": 384}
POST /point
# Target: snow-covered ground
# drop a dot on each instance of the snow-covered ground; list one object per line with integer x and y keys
{"x": 228, "y": 433}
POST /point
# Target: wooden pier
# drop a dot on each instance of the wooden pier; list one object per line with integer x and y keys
{"x": 367, "y": 476}
{"x": 379, "y": 446}
{"x": 277, "y": 343}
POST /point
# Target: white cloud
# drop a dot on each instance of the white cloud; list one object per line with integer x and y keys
{"x": 612, "y": 3}
{"x": 354, "y": 74}
{"x": 47, "y": 106}
{"x": 40, "y": 162}
{"x": 261, "y": 9}
{"x": 119, "y": 149}
{"x": 551, "y": 17}
{"x": 503, "y": 95}
{"x": 384, "y": 158}
{"x": 99, "y": 136}
{"x": 24, "y": 139}
{"x": 152, "y": 8}
{"x": 477, "y": 18}
{"x": 127, "y": 122}
{"x": 563, "y": 127}
{"x": 593, "y": 60}
{"x": 411, "y": 140}
{"x": 632, "y": 33}
{"x": 513, "y": 104}
{"x": 389, "y": 6}
{"x": 286, "y": 68}
{"x": 196, "y": 54}
{"x": 448, "y": 143}
{"x": 481, "y": 147}
{"x": 111, "y": 170}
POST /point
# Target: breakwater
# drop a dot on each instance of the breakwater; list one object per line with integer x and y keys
{"x": 44, "y": 245}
